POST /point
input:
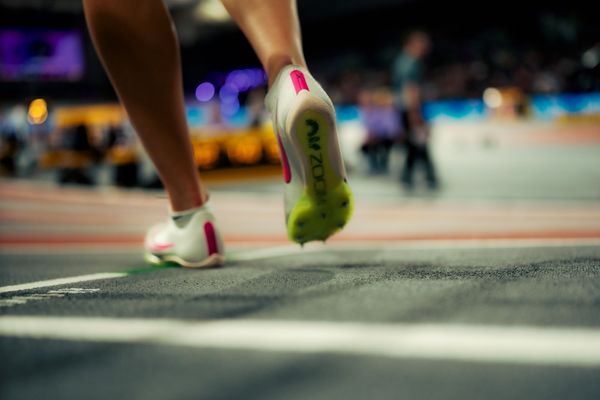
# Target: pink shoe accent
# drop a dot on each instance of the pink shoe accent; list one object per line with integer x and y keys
{"x": 211, "y": 238}
{"x": 161, "y": 246}
{"x": 299, "y": 81}
{"x": 287, "y": 176}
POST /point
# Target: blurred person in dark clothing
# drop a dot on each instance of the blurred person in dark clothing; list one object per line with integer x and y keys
{"x": 10, "y": 146}
{"x": 407, "y": 81}
{"x": 121, "y": 153}
{"x": 77, "y": 155}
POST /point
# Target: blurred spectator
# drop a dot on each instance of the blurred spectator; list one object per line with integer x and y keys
{"x": 407, "y": 80}
{"x": 383, "y": 128}
{"x": 122, "y": 155}
{"x": 9, "y": 149}
{"x": 77, "y": 156}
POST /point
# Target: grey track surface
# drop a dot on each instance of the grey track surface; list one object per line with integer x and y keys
{"x": 513, "y": 286}
{"x": 526, "y": 286}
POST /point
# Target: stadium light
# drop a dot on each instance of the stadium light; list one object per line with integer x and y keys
{"x": 492, "y": 98}
{"x": 38, "y": 112}
{"x": 211, "y": 11}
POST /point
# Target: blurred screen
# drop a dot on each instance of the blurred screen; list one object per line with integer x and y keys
{"x": 27, "y": 54}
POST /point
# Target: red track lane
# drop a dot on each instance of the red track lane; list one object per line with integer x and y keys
{"x": 119, "y": 240}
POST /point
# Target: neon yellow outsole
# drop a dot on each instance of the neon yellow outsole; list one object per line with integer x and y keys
{"x": 326, "y": 204}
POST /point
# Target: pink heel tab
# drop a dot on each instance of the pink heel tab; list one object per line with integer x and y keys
{"x": 285, "y": 164}
{"x": 299, "y": 81}
{"x": 211, "y": 238}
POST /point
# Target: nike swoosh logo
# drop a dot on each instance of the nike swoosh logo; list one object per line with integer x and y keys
{"x": 162, "y": 246}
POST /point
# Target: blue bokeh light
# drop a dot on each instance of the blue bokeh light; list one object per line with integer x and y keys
{"x": 228, "y": 93}
{"x": 230, "y": 108}
{"x": 205, "y": 91}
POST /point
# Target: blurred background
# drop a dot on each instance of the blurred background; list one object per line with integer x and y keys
{"x": 514, "y": 72}
{"x": 486, "y": 216}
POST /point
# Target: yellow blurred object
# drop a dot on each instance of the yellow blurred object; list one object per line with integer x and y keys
{"x": 245, "y": 149}
{"x": 270, "y": 144}
{"x": 38, "y": 112}
{"x": 98, "y": 114}
{"x": 211, "y": 11}
{"x": 120, "y": 155}
{"x": 272, "y": 151}
{"x": 241, "y": 146}
{"x": 206, "y": 152}
{"x": 74, "y": 159}
{"x": 591, "y": 118}
{"x": 50, "y": 159}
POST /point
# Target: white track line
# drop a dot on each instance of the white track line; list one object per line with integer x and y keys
{"x": 62, "y": 281}
{"x": 278, "y": 251}
{"x": 296, "y": 250}
{"x": 489, "y": 344}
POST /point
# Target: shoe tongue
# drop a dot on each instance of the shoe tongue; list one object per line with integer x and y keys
{"x": 182, "y": 218}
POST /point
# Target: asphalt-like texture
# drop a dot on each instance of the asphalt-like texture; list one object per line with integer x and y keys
{"x": 511, "y": 239}
{"x": 554, "y": 287}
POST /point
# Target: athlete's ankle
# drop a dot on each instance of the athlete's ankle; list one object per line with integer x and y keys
{"x": 277, "y": 63}
{"x": 186, "y": 202}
